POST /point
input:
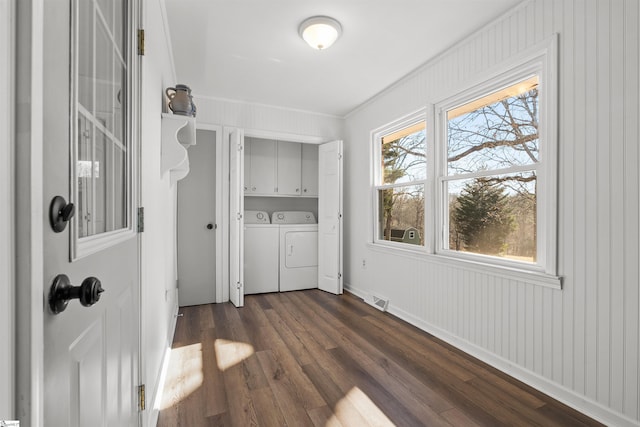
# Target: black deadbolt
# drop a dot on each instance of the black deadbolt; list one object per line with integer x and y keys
{"x": 62, "y": 292}
{"x": 60, "y": 213}
{"x": 209, "y": 226}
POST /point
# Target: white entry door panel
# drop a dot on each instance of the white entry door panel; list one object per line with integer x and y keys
{"x": 330, "y": 217}
{"x": 90, "y": 352}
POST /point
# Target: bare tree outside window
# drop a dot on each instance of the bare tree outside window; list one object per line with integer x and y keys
{"x": 401, "y": 201}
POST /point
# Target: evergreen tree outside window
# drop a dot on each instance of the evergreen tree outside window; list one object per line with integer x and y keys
{"x": 492, "y": 161}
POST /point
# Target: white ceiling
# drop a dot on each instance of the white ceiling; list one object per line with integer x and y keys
{"x": 249, "y": 50}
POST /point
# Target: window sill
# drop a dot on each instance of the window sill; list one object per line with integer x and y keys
{"x": 508, "y": 272}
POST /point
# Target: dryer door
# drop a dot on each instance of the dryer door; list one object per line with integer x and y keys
{"x": 301, "y": 249}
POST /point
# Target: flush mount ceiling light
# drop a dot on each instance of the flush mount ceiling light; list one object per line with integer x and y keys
{"x": 320, "y": 31}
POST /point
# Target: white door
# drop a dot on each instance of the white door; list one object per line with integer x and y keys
{"x": 330, "y": 217}
{"x": 90, "y": 352}
{"x": 236, "y": 220}
{"x": 197, "y": 224}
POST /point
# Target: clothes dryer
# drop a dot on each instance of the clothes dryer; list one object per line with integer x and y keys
{"x": 261, "y": 253}
{"x": 298, "y": 250}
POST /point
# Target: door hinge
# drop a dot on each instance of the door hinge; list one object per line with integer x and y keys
{"x": 140, "y": 219}
{"x": 238, "y": 285}
{"x": 141, "y": 42}
{"x": 240, "y": 147}
{"x": 339, "y": 156}
{"x": 142, "y": 402}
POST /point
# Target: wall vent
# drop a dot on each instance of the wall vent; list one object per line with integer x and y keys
{"x": 379, "y": 302}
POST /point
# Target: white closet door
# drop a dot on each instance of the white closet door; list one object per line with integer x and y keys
{"x": 330, "y": 217}
{"x": 236, "y": 220}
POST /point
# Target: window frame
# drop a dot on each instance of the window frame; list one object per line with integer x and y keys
{"x": 377, "y": 135}
{"x": 81, "y": 247}
{"x": 542, "y": 60}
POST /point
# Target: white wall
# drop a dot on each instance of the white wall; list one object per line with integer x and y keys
{"x": 267, "y": 118}
{"x": 579, "y": 344}
{"x": 158, "y": 197}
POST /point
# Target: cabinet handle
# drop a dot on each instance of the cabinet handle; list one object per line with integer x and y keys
{"x": 305, "y": 190}
{"x": 253, "y": 188}
{"x": 297, "y": 190}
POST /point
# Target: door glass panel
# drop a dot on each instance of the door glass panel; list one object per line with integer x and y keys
{"x": 85, "y": 55}
{"x": 102, "y": 156}
{"x": 104, "y": 77}
{"x": 84, "y": 173}
{"x": 118, "y": 20}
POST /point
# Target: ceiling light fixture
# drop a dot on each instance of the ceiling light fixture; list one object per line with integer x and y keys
{"x": 320, "y": 31}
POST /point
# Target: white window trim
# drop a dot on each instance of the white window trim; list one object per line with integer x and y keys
{"x": 376, "y": 137}
{"x": 540, "y": 59}
{"x": 81, "y": 247}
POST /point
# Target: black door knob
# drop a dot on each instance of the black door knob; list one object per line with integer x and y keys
{"x": 209, "y": 226}
{"x": 62, "y": 292}
{"x": 60, "y": 213}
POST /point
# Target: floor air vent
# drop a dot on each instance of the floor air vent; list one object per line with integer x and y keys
{"x": 378, "y": 302}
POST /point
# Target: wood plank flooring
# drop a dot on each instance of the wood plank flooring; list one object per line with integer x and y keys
{"x": 309, "y": 358}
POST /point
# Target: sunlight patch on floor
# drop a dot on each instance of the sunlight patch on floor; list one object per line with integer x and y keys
{"x": 230, "y": 353}
{"x": 358, "y": 399}
{"x": 184, "y": 375}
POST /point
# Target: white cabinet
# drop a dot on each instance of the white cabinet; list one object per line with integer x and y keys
{"x": 309, "y": 170}
{"x": 289, "y": 168}
{"x": 260, "y": 166}
{"x": 280, "y": 168}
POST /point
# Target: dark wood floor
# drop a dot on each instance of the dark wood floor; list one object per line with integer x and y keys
{"x": 310, "y": 358}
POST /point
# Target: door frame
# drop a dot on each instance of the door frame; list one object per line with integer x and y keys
{"x": 28, "y": 197}
{"x": 253, "y": 133}
{"x": 7, "y": 290}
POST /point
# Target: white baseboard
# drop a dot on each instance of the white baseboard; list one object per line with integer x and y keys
{"x": 570, "y": 398}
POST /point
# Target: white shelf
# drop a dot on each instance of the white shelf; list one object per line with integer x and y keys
{"x": 178, "y": 134}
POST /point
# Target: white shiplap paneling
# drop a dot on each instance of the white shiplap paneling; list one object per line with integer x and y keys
{"x": 580, "y": 344}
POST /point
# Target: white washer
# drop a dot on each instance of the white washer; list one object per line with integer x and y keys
{"x": 298, "y": 250}
{"x": 261, "y": 241}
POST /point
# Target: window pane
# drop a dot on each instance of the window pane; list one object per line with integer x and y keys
{"x": 104, "y": 77}
{"x": 85, "y": 54}
{"x": 497, "y": 131}
{"x": 401, "y": 214}
{"x": 494, "y": 215}
{"x": 404, "y": 159}
{"x": 84, "y": 176}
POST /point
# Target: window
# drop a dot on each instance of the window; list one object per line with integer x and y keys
{"x": 495, "y": 178}
{"x": 400, "y": 153}
{"x": 490, "y": 179}
{"x": 101, "y": 140}
{"x": 477, "y": 181}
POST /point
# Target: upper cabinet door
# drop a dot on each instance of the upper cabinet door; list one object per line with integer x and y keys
{"x": 289, "y": 168}
{"x": 309, "y": 170}
{"x": 263, "y": 167}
